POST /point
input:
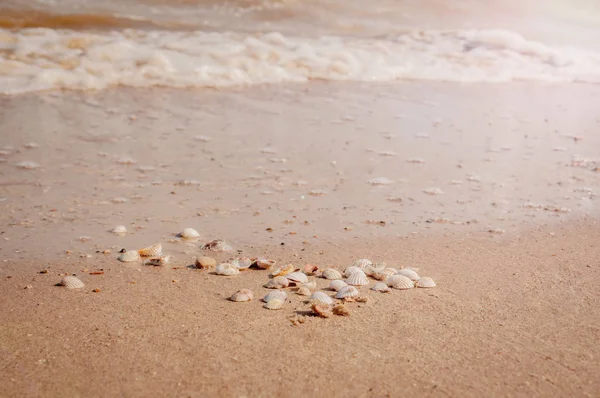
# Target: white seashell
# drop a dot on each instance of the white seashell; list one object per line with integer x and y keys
{"x": 350, "y": 270}
{"x": 119, "y": 230}
{"x": 426, "y": 282}
{"x": 409, "y": 273}
{"x": 274, "y": 304}
{"x": 281, "y": 271}
{"x": 380, "y": 181}
{"x": 242, "y": 295}
{"x": 337, "y": 284}
{"x": 382, "y": 275}
{"x": 321, "y": 309}
{"x": 279, "y": 282}
{"x": 264, "y": 263}
{"x": 218, "y": 245}
{"x": 331, "y": 274}
{"x": 151, "y": 251}
{"x": 400, "y": 282}
{"x": 362, "y": 263}
{"x": 189, "y": 233}
{"x": 304, "y": 291}
{"x": 321, "y": 297}
{"x": 162, "y": 260}
{"x": 357, "y": 279}
{"x": 278, "y": 294}
{"x": 381, "y": 287}
{"x": 312, "y": 285}
{"x": 242, "y": 263}
{"x": 71, "y": 282}
{"x": 374, "y": 268}
{"x": 347, "y": 292}
{"x": 129, "y": 256}
{"x": 226, "y": 269}
{"x": 298, "y": 277}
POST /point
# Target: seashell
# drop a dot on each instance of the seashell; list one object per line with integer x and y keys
{"x": 312, "y": 285}
{"x": 321, "y": 309}
{"x": 321, "y": 297}
{"x": 264, "y": 263}
{"x": 341, "y": 310}
{"x": 242, "y": 295}
{"x": 347, "y": 292}
{"x": 350, "y": 270}
{"x": 381, "y": 287}
{"x": 274, "y": 304}
{"x": 374, "y": 268}
{"x": 119, "y": 230}
{"x": 281, "y": 271}
{"x": 129, "y": 256}
{"x": 278, "y": 294}
{"x": 218, "y": 245}
{"x": 279, "y": 282}
{"x": 159, "y": 261}
{"x": 337, "y": 284}
{"x": 362, "y": 263}
{"x": 242, "y": 263}
{"x": 189, "y": 233}
{"x": 226, "y": 269}
{"x": 28, "y": 165}
{"x": 426, "y": 282}
{"x": 71, "y": 282}
{"x": 304, "y": 291}
{"x": 357, "y": 279}
{"x": 310, "y": 269}
{"x": 297, "y": 277}
{"x": 331, "y": 274}
{"x": 400, "y": 282}
{"x": 382, "y": 275}
{"x": 151, "y": 251}
{"x": 409, "y": 273}
{"x": 205, "y": 262}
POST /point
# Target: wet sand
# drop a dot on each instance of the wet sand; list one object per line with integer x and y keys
{"x": 510, "y": 238}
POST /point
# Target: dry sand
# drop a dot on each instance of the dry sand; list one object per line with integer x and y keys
{"x": 511, "y": 242}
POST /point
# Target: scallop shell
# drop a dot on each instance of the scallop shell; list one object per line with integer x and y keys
{"x": 399, "y": 282}
{"x": 281, "y": 271}
{"x": 362, "y": 263}
{"x": 312, "y": 285}
{"x": 347, "y": 292}
{"x": 71, "y": 282}
{"x": 274, "y": 304}
{"x": 159, "y": 261}
{"x": 119, "y": 230}
{"x": 337, "y": 284}
{"x": 331, "y": 274}
{"x": 129, "y": 256}
{"x": 303, "y": 291}
{"x": 297, "y": 277}
{"x": 310, "y": 269}
{"x": 264, "y": 263}
{"x": 189, "y": 233}
{"x": 321, "y": 309}
{"x": 321, "y": 297}
{"x": 242, "y": 295}
{"x": 381, "y": 287}
{"x": 426, "y": 282}
{"x": 383, "y": 274}
{"x": 218, "y": 245}
{"x": 226, "y": 269}
{"x": 279, "y": 282}
{"x": 350, "y": 270}
{"x": 278, "y": 294}
{"x": 151, "y": 251}
{"x": 409, "y": 273}
{"x": 242, "y": 263}
{"x": 357, "y": 279}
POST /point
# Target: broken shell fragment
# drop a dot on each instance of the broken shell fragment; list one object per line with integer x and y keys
{"x": 218, "y": 245}
{"x": 374, "y": 268}
{"x": 242, "y": 263}
{"x": 409, "y": 273}
{"x": 242, "y": 295}
{"x": 264, "y": 263}
{"x": 400, "y": 282}
{"x": 347, "y": 292}
{"x": 341, "y": 310}
{"x": 279, "y": 282}
{"x": 297, "y": 277}
{"x": 119, "y": 230}
{"x": 337, "y": 284}
{"x": 381, "y": 287}
{"x": 357, "y": 278}
{"x": 274, "y": 304}
{"x": 350, "y": 270}
{"x": 383, "y": 274}
{"x": 226, "y": 269}
{"x": 71, "y": 282}
{"x": 304, "y": 291}
{"x": 129, "y": 256}
{"x": 278, "y": 294}
{"x": 321, "y": 309}
{"x": 159, "y": 261}
{"x": 281, "y": 271}
{"x": 310, "y": 269}
{"x": 151, "y": 251}
{"x": 321, "y": 297}
{"x": 426, "y": 282}
{"x": 205, "y": 262}
{"x": 189, "y": 233}
{"x": 332, "y": 274}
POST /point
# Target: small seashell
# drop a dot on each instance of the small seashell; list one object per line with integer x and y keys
{"x": 278, "y": 294}
{"x": 337, "y": 284}
{"x": 205, "y": 262}
{"x": 242, "y": 263}
{"x": 226, "y": 269}
{"x": 347, "y": 292}
{"x": 218, "y": 245}
{"x": 304, "y": 291}
{"x": 312, "y": 285}
{"x": 119, "y": 230}
{"x": 350, "y": 270}
{"x": 274, "y": 304}
{"x": 279, "y": 282}
{"x": 281, "y": 271}
{"x": 382, "y": 275}
{"x": 400, "y": 282}
{"x": 321, "y": 297}
{"x": 151, "y": 251}
{"x": 297, "y": 277}
{"x": 71, "y": 282}
{"x": 129, "y": 256}
{"x": 310, "y": 269}
{"x": 321, "y": 309}
{"x": 381, "y": 287}
{"x": 409, "y": 273}
{"x": 189, "y": 233}
{"x": 159, "y": 261}
{"x": 362, "y": 263}
{"x": 341, "y": 310}
{"x": 426, "y": 282}
{"x": 331, "y": 274}
{"x": 374, "y": 268}
{"x": 357, "y": 279}
{"x": 242, "y": 295}
{"x": 264, "y": 263}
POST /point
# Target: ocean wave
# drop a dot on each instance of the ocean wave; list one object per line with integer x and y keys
{"x": 45, "y": 59}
